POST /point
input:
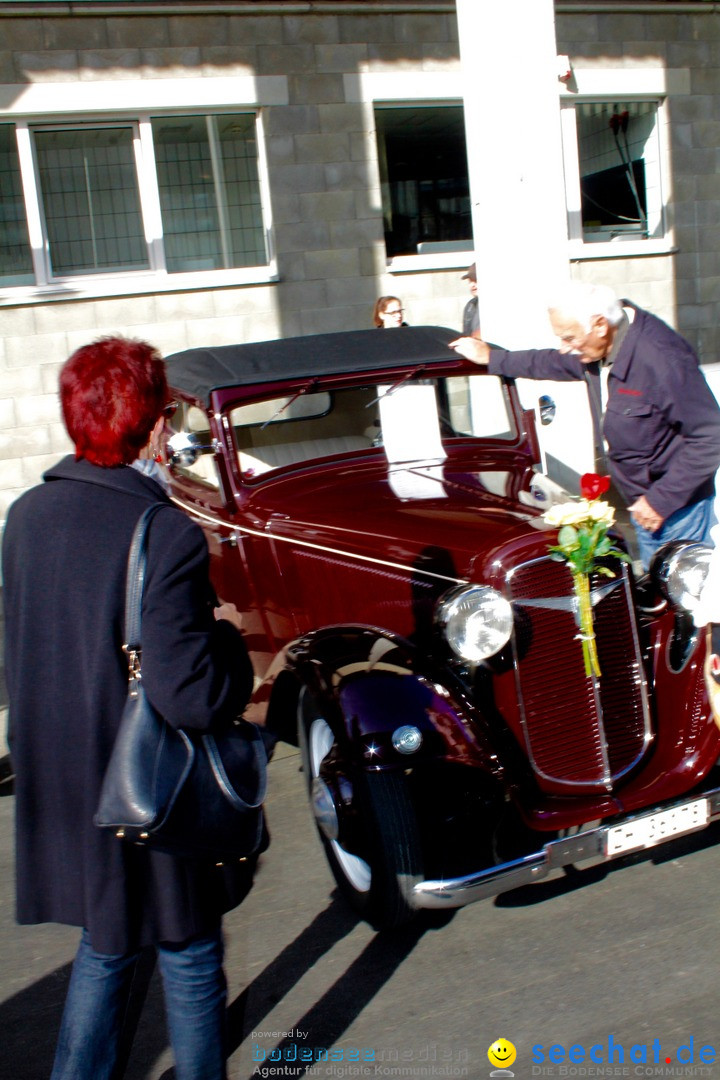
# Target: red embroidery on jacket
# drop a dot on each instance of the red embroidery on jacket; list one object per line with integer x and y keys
{"x": 633, "y": 393}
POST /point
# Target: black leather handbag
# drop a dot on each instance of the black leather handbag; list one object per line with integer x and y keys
{"x": 193, "y": 794}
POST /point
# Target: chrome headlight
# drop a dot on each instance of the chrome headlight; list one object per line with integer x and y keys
{"x": 680, "y": 570}
{"x": 476, "y": 621}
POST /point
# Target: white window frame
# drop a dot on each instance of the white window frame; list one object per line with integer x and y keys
{"x": 432, "y": 89}
{"x": 657, "y": 84}
{"x": 136, "y": 103}
{"x": 30, "y": 172}
{"x": 593, "y": 85}
{"x": 456, "y": 252}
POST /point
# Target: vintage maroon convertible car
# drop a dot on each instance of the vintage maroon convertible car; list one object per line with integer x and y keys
{"x": 372, "y": 503}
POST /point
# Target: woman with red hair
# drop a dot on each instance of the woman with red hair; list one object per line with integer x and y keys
{"x": 112, "y": 393}
{"x": 65, "y": 552}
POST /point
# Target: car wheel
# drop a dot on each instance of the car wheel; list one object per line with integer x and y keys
{"x": 366, "y": 822}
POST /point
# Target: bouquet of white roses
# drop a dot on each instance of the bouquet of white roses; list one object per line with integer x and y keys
{"x": 583, "y": 539}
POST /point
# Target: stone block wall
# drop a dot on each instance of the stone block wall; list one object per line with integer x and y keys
{"x": 322, "y": 164}
{"x": 683, "y": 288}
{"x": 324, "y": 184}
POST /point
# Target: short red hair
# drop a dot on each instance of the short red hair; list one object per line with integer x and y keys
{"x": 112, "y": 393}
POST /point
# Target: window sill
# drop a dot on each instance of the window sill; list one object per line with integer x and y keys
{"x": 437, "y": 260}
{"x": 619, "y": 249}
{"x": 139, "y": 284}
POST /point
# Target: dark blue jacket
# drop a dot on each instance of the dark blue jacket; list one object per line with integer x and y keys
{"x": 65, "y": 550}
{"x": 661, "y": 424}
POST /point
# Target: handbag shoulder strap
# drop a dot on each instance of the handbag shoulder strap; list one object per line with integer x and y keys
{"x": 135, "y": 580}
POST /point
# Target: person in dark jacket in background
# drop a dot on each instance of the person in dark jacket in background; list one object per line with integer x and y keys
{"x": 471, "y": 311}
{"x": 65, "y": 552}
{"x": 656, "y": 421}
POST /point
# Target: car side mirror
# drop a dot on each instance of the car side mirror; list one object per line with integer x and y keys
{"x": 546, "y": 408}
{"x": 184, "y": 448}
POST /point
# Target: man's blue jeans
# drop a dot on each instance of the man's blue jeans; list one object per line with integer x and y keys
{"x": 689, "y": 523}
{"x": 195, "y": 1000}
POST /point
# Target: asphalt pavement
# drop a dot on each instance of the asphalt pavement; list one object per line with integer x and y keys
{"x": 620, "y": 960}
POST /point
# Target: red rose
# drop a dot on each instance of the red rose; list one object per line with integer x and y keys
{"x": 592, "y": 485}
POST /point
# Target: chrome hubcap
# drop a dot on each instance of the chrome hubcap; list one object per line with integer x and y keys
{"x": 324, "y": 808}
{"x": 320, "y": 743}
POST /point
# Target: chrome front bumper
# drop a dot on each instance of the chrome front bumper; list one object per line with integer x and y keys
{"x": 593, "y": 844}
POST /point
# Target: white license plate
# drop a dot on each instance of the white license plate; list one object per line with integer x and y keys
{"x": 645, "y": 832}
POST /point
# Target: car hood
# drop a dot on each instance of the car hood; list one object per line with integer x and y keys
{"x": 472, "y": 516}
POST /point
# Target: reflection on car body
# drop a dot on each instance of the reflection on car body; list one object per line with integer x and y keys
{"x": 373, "y": 505}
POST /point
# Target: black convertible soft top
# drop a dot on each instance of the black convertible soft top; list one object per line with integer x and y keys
{"x": 199, "y": 371}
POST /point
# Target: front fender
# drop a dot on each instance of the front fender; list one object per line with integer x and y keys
{"x": 372, "y": 682}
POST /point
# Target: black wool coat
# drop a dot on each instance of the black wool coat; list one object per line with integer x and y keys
{"x": 65, "y": 551}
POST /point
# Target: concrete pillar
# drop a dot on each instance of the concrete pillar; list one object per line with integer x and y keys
{"x": 512, "y": 115}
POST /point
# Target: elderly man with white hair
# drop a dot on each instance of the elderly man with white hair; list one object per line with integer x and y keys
{"x": 655, "y": 418}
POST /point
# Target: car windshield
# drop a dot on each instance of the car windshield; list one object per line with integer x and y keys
{"x": 410, "y": 420}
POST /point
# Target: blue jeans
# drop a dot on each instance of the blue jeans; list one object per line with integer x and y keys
{"x": 689, "y": 523}
{"x": 195, "y": 999}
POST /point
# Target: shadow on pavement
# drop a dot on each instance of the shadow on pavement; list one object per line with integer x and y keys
{"x": 287, "y": 968}
{"x": 30, "y": 1020}
{"x": 330, "y": 1016}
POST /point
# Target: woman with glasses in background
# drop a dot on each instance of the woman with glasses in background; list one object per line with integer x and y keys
{"x": 388, "y": 312}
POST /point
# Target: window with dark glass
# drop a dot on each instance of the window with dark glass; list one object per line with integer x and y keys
{"x": 424, "y": 179}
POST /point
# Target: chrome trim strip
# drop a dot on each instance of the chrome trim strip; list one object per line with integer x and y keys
{"x": 193, "y": 512}
{"x": 641, "y": 675}
{"x": 571, "y": 602}
{"x": 457, "y": 892}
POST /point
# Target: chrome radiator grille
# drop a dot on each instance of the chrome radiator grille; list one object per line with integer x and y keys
{"x": 579, "y": 733}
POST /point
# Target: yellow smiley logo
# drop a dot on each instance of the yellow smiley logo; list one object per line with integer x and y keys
{"x": 502, "y": 1053}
